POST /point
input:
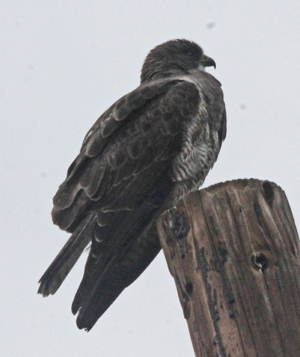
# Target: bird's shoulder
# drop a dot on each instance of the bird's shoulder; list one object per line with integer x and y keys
{"x": 136, "y": 138}
{"x": 160, "y": 101}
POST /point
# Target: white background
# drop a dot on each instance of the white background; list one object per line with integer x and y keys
{"x": 62, "y": 64}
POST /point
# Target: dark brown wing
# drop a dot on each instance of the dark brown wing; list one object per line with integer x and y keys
{"x": 139, "y": 164}
{"x": 117, "y": 184}
{"x": 86, "y": 178}
{"x": 89, "y": 177}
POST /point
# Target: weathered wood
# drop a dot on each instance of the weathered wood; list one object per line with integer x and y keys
{"x": 233, "y": 250}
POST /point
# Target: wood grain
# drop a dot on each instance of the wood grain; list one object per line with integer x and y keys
{"x": 233, "y": 250}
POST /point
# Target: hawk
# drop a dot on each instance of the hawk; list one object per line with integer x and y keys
{"x": 143, "y": 154}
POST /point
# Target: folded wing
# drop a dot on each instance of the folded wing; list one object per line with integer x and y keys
{"x": 115, "y": 188}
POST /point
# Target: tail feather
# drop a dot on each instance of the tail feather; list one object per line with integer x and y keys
{"x": 122, "y": 270}
{"x": 118, "y": 266}
{"x": 131, "y": 245}
{"x": 66, "y": 258}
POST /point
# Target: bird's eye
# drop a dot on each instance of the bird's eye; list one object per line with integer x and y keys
{"x": 190, "y": 53}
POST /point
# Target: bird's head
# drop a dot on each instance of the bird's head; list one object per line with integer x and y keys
{"x": 174, "y": 57}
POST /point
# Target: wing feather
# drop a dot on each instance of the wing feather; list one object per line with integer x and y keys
{"x": 141, "y": 183}
{"x": 103, "y": 134}
{"x": 123, "y": 175}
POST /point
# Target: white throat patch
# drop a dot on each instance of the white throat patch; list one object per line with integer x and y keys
{"x": 201, "y": 67}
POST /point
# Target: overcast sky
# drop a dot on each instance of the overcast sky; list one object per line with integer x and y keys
{"x": 62, "y": 64}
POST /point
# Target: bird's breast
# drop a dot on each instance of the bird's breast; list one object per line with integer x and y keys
{"x": 200, "y": 145}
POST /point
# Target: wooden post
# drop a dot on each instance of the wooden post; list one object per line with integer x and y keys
{"x": 234, "y": 253}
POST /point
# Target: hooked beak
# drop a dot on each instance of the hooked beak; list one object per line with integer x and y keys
{"x": 207, "y": 61}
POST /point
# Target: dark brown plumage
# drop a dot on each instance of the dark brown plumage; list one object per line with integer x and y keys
{"x": 144, "y": 153}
